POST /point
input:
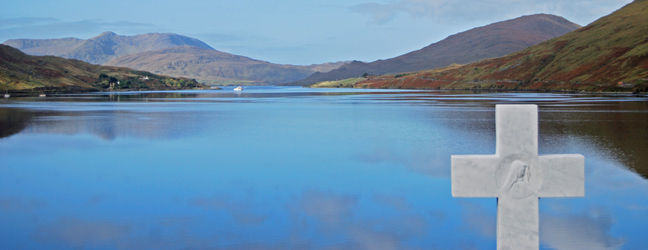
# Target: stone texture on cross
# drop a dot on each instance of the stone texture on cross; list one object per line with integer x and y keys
{"x": 517, "y": 176}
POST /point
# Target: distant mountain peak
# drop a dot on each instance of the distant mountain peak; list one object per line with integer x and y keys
{"x": 170, "y": 54}
{"x": 107, "y": 33}
{"x": 105, "y": 46}
{"x": 216, "y": 67}
{"x": 489, "y": 41}
{"x": 609, "y": 54}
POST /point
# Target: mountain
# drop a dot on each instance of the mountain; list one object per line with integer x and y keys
{"x": 24, "y": 74}
{"x": 480, "y": 43}
{"x": 610, "y": 54}
{"x": 212, "y": 66}
{"x": 100, "y": 49}
{"x": 170, "y": 54}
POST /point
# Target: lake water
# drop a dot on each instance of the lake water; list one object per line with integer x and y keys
{"x": 296, "y": 168}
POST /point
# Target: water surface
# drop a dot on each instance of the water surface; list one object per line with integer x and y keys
{"x": 295, "y": 168}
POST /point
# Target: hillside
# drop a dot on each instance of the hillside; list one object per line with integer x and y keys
{"x": 24, "y": 74}
{"x": 100, "y": 49}
{"x": 489, "y": 41}
{"x": 170, "y": 54}
{"x": 610, "y": 54}
{"x": 212, "y": 66}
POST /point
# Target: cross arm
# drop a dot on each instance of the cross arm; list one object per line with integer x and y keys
{"x": 474, "y": 175}
{"x": 562, "y": 175}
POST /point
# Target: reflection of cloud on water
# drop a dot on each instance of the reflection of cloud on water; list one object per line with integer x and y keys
{"x": 589, "y": 230}
{"x": 174, "y": 232}
{"x": 327, "y": 207}
{"x": 241, "y": 212}
{"x": 579, "y": 231}
{"x": 78, "y": 233}
{"x": 106, "y": 124}
{"x": 478, "y": 219}
{"x": 339, "y": 216}
{"x": 607, "y": 173}
{"x": 429, "y": 162}
{"x": 17, "y": 204}
{"x": 397, "y": 202}
{"x": 369, "y": 239}
{"x": 113, "y": 124}
{"x": 638, "y": 207}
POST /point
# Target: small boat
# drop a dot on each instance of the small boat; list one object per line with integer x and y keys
{"x": 7, "y": 95}
{"x": 239, "y": 88}
{"x": 42, "y": 95}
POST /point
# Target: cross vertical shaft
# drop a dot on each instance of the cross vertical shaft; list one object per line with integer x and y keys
{"x": 515, "y": 174}
{"x": 516, "y": 130}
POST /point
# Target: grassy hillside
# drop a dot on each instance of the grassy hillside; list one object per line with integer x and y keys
{"x": 215, "y": 67}
{"x": 170, "y": 54}
{"x": 480, "y": 43}
{"x": 345, "y": 83}
{"x": 22, "y": 73}
{"x": 610, "y": 54}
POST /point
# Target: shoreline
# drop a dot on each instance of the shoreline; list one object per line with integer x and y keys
{"x": 36, "y": 92}
{"x": 499, "y": 90}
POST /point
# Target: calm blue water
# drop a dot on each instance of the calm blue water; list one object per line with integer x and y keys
{"x": 294, "y": 168}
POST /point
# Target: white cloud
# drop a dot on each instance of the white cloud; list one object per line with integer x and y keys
{"x": 380, "y": 13}
{"x": 433, "y": 164}
{"x": 25, "y": 21}
{"x": 46, "y": 28}
{"x": 445, "y": 11}
{"x": 327, "y": 207}
{"x": 240, "y": 211}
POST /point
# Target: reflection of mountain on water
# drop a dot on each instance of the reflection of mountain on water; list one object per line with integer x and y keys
{"x": 596, "y": 124}
{"x": 108, "y": 124}
{"x": 13, "y": 121}
{"x": 617, "y": 129}
{"x": 614, "y": 126}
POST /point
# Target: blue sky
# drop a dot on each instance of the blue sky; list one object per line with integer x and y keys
{"x": 285, "y": 31}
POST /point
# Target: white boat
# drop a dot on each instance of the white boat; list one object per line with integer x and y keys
{"x": 239, "y": 88}
{"x": 7, "y": 95}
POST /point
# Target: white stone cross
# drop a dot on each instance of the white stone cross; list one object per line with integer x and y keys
{"x": 517, "y": 176}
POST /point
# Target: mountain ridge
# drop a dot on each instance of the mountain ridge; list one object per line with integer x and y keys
{"x": 492, "y": 40}
{"x": 103, "y": 47}
{"x": 167, "y": 54}
{"x": 610, "y": 54}
{"x": 214, "y": 66}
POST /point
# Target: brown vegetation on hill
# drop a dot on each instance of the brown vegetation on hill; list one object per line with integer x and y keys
{"x": 480, "y": 43}
{"x": 610, "y": 54}
{"x": 24, "y": 74}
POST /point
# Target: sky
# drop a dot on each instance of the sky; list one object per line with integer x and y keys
{"x": 285, "y": 31}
